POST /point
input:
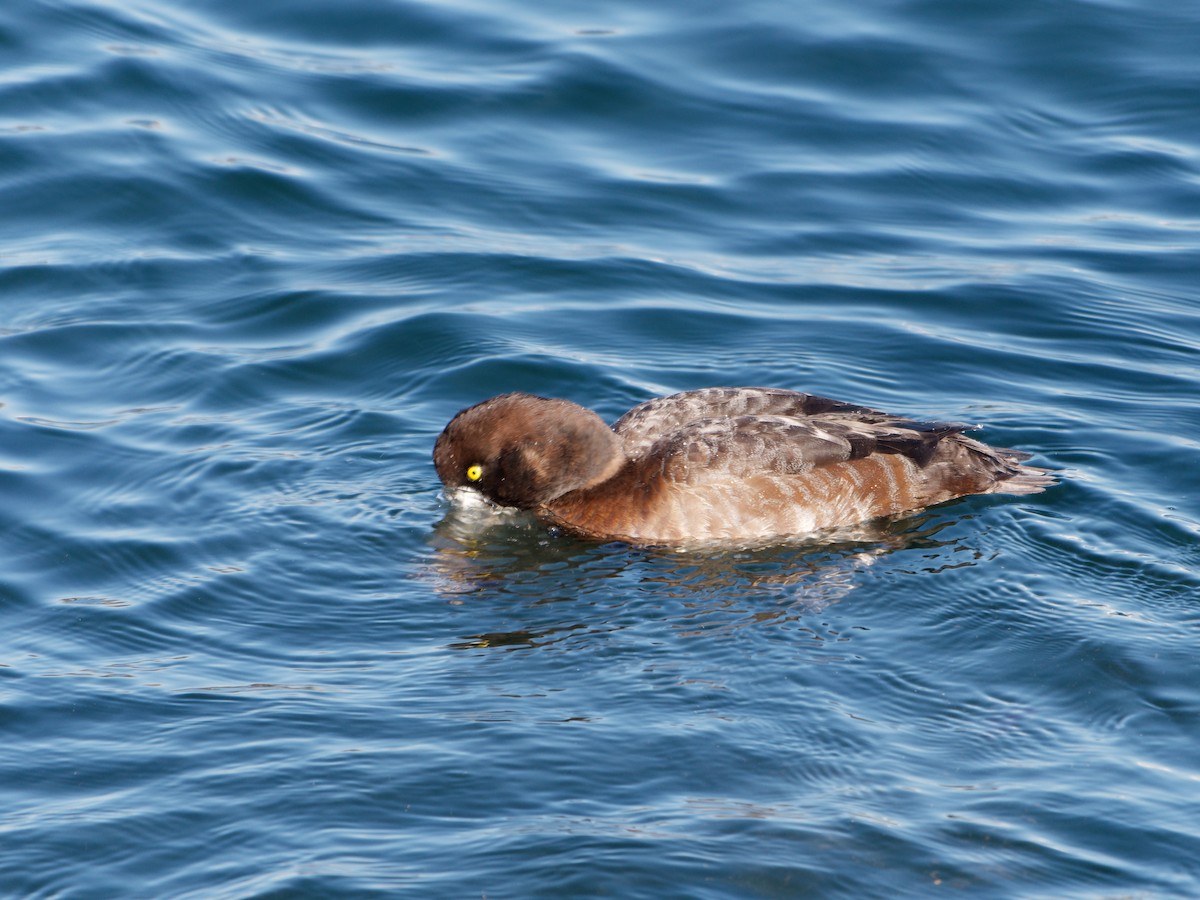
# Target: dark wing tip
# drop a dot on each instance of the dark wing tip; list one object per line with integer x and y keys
{"x": 917, "y": 440}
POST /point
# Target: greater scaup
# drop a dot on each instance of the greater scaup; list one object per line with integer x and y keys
{"x": 716, "y": 465}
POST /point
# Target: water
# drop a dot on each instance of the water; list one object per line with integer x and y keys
{"x": 254, "y": 256}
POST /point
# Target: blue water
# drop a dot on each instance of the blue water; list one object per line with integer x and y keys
{"x": 253, "y": 256}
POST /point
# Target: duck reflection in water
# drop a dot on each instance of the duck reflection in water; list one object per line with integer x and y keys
{"x": 572, "y": 590}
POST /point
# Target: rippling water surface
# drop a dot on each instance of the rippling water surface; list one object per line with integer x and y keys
{"x": 253, "y": 256}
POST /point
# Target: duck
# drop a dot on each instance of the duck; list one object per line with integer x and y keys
{"x": 717, "y": 465}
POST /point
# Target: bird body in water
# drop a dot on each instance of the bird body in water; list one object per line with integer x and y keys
{"x": 725, "y": 465}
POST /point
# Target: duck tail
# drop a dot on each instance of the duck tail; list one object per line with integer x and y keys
{"x": 1017, "y": 478}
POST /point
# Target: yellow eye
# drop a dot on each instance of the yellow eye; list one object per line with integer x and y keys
{"x": 474, "y": 473}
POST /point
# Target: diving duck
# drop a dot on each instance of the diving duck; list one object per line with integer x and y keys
{"x": 717, "y": 465}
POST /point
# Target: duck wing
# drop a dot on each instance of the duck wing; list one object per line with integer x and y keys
{"x": 748, "y": 445}
{"x": 769, "y": 429}
{"x": 646, "y": 423}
